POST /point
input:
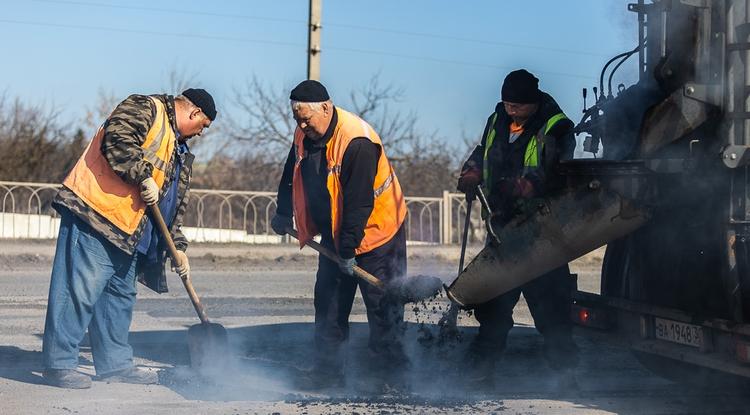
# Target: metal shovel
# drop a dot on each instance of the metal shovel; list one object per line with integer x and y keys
{"x": 449, "y": 321}
{"x": 407, "y": 290}
{"x": 207, "y": 341}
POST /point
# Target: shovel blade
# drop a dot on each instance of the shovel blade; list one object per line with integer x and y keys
{"x": 418, "y": 287}
{"x": 208, "y": 346}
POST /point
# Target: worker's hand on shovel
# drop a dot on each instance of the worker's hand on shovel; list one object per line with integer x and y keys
{"x": 346, "y": 265}
{"x": 280, "y": 224}
{"x": 468, "y": 182}
{"x": 149, "y": 191}
{"x": 180, "y": 264}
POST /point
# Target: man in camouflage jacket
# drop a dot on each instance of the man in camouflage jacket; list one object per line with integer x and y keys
{"x": 97, "y": 261}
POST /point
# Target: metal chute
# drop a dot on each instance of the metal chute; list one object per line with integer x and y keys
{"x": 593, "y": 210}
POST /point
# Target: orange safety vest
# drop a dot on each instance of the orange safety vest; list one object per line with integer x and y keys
{"x": 96, "y": 183}
{"x": 389, "y": 210}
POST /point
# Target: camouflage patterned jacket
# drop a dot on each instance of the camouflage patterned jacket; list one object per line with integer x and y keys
{"x": 124, "y": 132}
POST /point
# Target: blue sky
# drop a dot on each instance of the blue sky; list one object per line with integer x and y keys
{"x": 450, "y": 57}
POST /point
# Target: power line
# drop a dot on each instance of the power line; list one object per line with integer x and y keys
{"x": 468, "y": 40}
{"x": 277, "y": 43}
{"x": 455, "y": 62}
{"x": 148, "y": 32}
{"x": 341, "y": 25}
{"x": 161, "y": 10}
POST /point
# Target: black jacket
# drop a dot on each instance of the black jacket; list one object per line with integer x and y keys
{"x": 506, "y": 159}
{"x": 358, "y": 168}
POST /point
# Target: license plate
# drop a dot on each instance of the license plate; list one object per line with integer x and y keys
{"x": 677, "y": 332}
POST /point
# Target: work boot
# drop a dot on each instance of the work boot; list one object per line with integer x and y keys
{"x": 479, "y": 369}
{"x": 133, "y": 374}
{"x": 480, "y": 372}
{"x": 386, "y": 374}
{"x": 66, "y": 378}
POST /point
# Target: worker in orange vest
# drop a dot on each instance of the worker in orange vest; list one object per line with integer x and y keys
{"x": 138, "y": 157}
{"x": 338, "y": 183}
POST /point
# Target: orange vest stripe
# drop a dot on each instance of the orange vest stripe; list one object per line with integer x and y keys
{"x": 389, "y": 210}
{"x": 93, "y": 180}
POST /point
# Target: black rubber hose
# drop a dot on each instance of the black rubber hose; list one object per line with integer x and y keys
{"x": 609, "y": 62}
{"x": 612, "y": 74}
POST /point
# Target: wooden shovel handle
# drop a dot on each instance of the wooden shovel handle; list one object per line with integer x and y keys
{"x": 359, "y": 272}
{"x": 162, "y": 226}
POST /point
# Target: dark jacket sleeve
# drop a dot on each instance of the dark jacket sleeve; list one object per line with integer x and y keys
{"x": 284, "y": 204}
{"x": 476, "y": 159}
{"x": 124, "y": 133}
{"x": 358, "y": 169}
{"x": 565, "y": 140}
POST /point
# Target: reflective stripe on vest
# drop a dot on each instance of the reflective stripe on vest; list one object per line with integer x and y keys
{"x": 532, "y": 154}
{"x": 536, "y": 145}
{"x": 389, "y": 208}
{"x": 96, "y": 183}
{"x": 487, "y": 145}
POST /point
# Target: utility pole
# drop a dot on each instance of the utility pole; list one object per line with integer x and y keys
{"x": 313, "y": 40}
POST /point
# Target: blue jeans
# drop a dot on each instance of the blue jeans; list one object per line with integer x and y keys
{"x": 92, "y": 286}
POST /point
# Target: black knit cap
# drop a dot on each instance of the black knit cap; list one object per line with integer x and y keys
{"x": 520, "y": 87}
{"x": 203, "y": 100}
{"x": 309, "y": 91}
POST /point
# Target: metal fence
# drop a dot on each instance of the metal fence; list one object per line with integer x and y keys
{"x": 230, "y": 216}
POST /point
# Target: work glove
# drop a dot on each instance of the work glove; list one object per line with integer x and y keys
{"x": 468, "y": 182}
{"x": 150, "y": 191}
{"x": 280, "y": 223}
{"x": 346, "y": 265}
{"x": 180, "y": 264}
{"x": 523, "y": 188}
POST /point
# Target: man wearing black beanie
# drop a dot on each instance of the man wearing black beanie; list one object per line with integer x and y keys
{"x": 515, "y": 162}
{"x": 338, "y": 183}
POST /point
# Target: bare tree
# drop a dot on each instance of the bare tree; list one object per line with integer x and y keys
{"x": 426, "y": 165}
{"x": 265, "y": 121}
{"x": 372, "y": 103}
{"x": 34, "y": 144}
{"x": 106, "y": 100}
{"x": 180, "y": 79}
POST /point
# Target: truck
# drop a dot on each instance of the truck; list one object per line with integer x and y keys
{"x": 666, "y": 192}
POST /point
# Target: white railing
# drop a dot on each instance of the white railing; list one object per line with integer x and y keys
{"x": 230, "y": 216}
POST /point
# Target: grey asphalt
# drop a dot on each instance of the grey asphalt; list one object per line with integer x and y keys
{"x": 263, "y": 295}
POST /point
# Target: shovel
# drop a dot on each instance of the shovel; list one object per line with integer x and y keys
{"x": 406, "y": 290}
{"x": 449, "y": 321}
{"x": 207, "y": 341}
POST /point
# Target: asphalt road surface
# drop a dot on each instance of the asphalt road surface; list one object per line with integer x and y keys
{"x": 263, "y": 296}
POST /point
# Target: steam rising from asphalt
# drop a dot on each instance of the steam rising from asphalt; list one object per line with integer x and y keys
{"x": 266, "y": 361}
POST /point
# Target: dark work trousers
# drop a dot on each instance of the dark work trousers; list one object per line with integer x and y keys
{"x": 549, "y": 298}
{"x": 334, "y": 295}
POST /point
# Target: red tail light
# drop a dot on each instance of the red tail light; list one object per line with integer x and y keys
{"x": 742, "y": 350}
{"x": 583, "y": 315}
{"x": 591, "y": 317}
